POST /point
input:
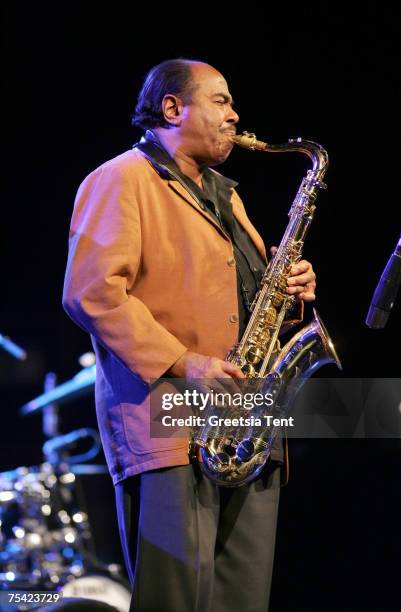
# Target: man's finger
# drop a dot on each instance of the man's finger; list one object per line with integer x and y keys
{"x": 232, "y": 369}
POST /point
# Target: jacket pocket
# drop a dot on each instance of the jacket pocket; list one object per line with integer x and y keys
{"x": 139, "y": 437}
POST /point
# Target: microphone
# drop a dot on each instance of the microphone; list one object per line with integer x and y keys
{"x": 386, "y": 291}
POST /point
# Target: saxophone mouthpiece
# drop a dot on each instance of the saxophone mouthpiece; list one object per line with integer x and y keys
{"x": 249, "y": 141}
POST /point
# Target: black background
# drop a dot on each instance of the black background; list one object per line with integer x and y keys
{"x": 73, "y": 74}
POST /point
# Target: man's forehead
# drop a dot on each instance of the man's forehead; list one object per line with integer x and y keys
{"x": 208, "y": 79}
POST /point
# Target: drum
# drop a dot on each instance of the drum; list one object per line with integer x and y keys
{"x": 45, "y": 536}
{"x": 43, "y": 532}
{"x": 104, "y": 588}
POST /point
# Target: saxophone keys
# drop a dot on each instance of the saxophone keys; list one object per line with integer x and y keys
{"x": 269, "y": 317}
{"x": 254, "y": 354}
{"x": 229, "y": 446}
{"x": 248, "y": 370}
{"x": 278, "y": 299}
{"x": 291, "y": 301}
{"x": 220, "y": 462}
{"x": 245, "y": 450}
{"x": 280, "y": 292}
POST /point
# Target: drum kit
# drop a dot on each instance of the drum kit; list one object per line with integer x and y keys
{"x": 46, "y": 540}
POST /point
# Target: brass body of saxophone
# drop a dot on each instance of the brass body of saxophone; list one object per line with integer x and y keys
{"x": 236, "y": 456}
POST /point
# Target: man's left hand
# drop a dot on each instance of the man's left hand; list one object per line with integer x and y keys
{"x": 302, "y": 281}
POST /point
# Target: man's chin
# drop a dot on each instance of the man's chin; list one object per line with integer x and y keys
{"x": 217, "y": 155}
{"x": 222, "y": 154}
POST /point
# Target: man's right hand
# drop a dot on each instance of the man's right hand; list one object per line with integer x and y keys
{"x": 193, "y": 366}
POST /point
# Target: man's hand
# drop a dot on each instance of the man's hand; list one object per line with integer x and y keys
{"x": 193, "y": 365}
{"x": 302, "y": 281}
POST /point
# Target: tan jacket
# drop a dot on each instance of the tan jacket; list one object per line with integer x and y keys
{"x": 149, "y": 276}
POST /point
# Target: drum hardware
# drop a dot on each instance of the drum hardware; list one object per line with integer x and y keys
{"x": 80, "y": 385}
{"x": 10, "y": 347}
{"x": 43, "y": 532}
{"x": 50, "y": 416}
{"x": 53, "y": 448}
{"x": 45, "y": 536}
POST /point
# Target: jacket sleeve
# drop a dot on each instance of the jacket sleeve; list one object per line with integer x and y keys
{"x": 103, "y": 262}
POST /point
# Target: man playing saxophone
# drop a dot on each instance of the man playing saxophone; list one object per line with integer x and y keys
{"x": 163, "y": 266}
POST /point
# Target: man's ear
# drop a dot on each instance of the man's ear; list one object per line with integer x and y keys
{"x": 172, "y": 108}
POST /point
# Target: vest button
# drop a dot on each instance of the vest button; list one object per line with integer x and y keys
{"x": 231, "y": 261}
{"x": 234, "y": 318}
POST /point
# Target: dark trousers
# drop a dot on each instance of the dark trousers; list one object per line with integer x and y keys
{"x": 191, "y": 546}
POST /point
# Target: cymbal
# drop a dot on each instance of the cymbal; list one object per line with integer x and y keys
{"x": 81, "y": 384}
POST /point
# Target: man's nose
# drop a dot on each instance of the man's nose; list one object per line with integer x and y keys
{"x": 232, "y": 117}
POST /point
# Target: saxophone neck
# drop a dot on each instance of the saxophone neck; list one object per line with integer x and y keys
{"x": 316, "y": 153}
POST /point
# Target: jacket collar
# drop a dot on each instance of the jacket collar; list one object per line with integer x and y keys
{"x": 166, "y": 167}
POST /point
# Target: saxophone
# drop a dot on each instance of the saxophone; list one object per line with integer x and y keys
{"x": 236, "y": 456}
